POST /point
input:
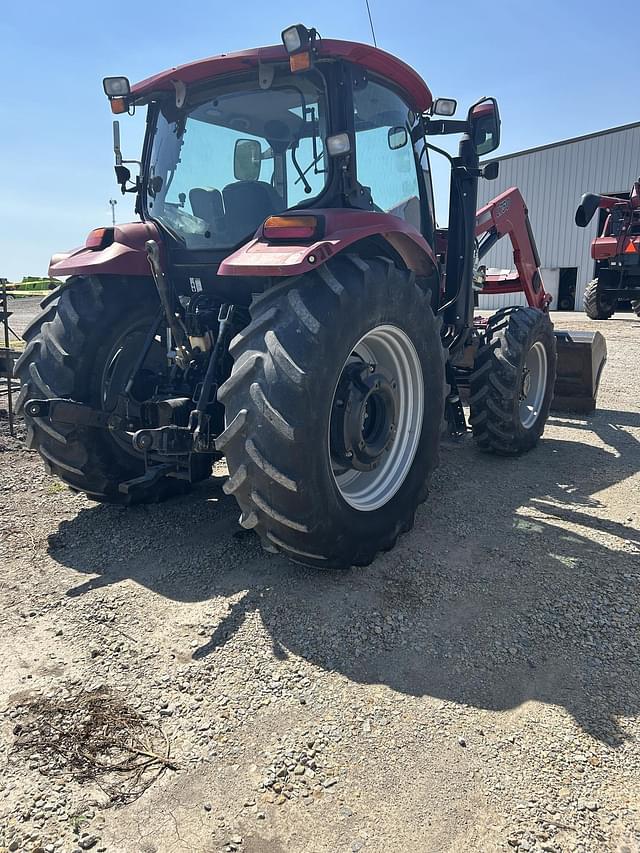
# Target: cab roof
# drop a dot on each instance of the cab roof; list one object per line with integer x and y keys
{"x": 372, "y": 58}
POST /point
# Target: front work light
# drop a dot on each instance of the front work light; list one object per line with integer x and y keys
{"x": 116, "y": 87}
{"x": 296, "y": 38}
{"x": 338, "y": 144}
{"x": 444, "y": 107}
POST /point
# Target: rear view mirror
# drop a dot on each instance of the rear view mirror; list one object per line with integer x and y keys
{"x": 247, "y": 160}
{"x": 397, "y": 137}
{"x": 484, "y": 123}
{"x": 589, "y": 203}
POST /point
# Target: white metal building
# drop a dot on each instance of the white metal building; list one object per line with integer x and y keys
{"x": 552, "y": 178}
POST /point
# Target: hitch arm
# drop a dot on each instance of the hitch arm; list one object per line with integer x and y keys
{"x": 507, "y": 215}
{"x": 65, "y": 411}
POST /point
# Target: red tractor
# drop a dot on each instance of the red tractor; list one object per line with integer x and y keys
{"x": 616, "y": 252}
{"x": 287, "y": 303}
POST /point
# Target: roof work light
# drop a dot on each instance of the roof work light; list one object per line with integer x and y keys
{"x": 117, "y": 89}
{"x": 298, "y": 42}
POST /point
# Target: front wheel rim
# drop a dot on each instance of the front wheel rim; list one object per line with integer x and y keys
{"x": 534, "y": 385}
{"x": 369, "y": 473}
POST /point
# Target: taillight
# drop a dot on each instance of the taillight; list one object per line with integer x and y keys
{"x": 99, "y": 238}
{"x": 291, "y": 228}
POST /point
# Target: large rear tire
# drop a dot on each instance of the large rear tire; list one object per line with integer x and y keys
{"x": 596, "y": 306}
{"x": 511, "y": 387}
{"x": 635, "y": 305}
{"x": 333, "y": 411}
{"x": 81, "y": 347}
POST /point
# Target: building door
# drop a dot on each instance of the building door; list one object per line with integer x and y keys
{"x": 567, "y": 289}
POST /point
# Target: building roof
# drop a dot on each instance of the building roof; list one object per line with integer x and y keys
{"x": 569, "y": 141}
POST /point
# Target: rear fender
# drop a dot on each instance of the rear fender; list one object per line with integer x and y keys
{"x": 342, "y": 228}
{"x": 125, "y": 254}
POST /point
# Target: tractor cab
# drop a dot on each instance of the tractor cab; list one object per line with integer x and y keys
{"x": 308, "y": 129}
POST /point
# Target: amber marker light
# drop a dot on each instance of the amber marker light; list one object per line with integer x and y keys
{"x": 290, "y": 227}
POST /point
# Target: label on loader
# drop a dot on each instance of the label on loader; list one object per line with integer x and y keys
{"x": 196, "y": 285}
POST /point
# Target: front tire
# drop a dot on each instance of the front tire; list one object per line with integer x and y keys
{"x": 511, "y": 387}
{"x": 596, "y": 305}
{"x": 318, "y": 363}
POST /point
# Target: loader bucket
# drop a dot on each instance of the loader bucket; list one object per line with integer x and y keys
{"x": 581, "y": 357}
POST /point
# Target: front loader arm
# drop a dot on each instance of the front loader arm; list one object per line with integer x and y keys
{"x": 507, "y": 215}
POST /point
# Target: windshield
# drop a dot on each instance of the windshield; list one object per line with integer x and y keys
{"x": 219, "y": 167}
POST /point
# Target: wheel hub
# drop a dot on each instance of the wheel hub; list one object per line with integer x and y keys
{"x": 364, "y": 416}
{"x": 534, "y": 384}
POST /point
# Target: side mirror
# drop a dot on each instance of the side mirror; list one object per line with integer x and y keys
{"x": 444, "y": 107}
{"x": 491, "y": 170}
{"x": 397, "y": 137}
{"x": 484, "y": 124}
{"x": 247, "y": 159}
{"x": 122, "y": 175}
{"x": 589, "y": 203}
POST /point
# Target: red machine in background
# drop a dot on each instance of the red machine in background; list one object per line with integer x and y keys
{"x": 616, "y": 252}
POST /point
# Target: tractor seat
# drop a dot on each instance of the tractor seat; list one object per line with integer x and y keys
{"x": 206, "y": 204}
{"x": 247, "y": 204}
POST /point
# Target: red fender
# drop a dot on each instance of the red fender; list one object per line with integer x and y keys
{"x": 342, "y": 228}
{"x": 125, "y": 255}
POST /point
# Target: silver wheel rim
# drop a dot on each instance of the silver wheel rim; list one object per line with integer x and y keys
{"x": 390, "y": 349}
{"x": 534, "y": 385}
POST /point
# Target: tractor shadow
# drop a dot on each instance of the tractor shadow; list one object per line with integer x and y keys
{"x": 511, "y": 587}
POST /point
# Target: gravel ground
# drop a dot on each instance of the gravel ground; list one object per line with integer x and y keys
{"x": 475, "y": 689}
{"x": 23, "y": 310}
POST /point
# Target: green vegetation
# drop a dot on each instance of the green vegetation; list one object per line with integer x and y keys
{"x": 34, "y": 282}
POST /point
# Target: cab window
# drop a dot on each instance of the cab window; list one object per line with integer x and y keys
{"x": 384, "y": 151}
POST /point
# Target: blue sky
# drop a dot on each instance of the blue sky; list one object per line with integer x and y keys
{"x": 545, "y": 61}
